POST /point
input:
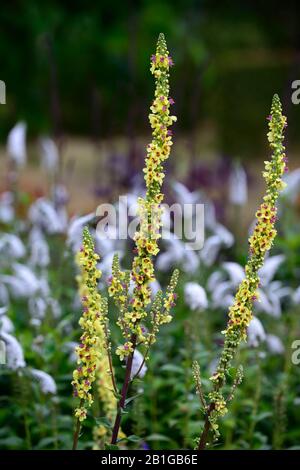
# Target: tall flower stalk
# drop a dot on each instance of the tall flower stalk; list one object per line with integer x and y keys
{"x": 240, "y": 313}
{"x": 135, "y": 313}
{"x": 93, "y": 323}
{"x": 140, "y": 317}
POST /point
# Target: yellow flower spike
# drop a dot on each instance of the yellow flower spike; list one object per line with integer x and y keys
{"x": 94, "y": 346}
{"x": 132, "y": 311}
{"x": 260, "y": 242}
{"x": 149, "y": 209}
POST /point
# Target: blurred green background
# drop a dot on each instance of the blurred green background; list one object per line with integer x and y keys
{"x": 80, "y": 68}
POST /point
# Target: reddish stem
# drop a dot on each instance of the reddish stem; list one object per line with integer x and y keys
{"x": 204, "y": 435}
{"x": 121, "y": 404}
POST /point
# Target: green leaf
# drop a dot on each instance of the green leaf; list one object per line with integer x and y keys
{"x": 45, "y": 442}
{"x": 262, "y": 416}
{"x": 158, "y": 437}
{"x": 111, "y": 447}
{"x": 131, "y": 438}
{"x": 172, "y": 368}
{"x": 11, "y": 442}
{"x": 128, "y": 400}
{"x": 104, "y": 422}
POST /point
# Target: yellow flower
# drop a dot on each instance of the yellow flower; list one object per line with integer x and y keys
{"x": 94, "y": 315}
{"x": 134, "y": 311}
{"x": 80, "y": 413}
{"x": 261, "y": 240}
{"x": 124, "y": 350}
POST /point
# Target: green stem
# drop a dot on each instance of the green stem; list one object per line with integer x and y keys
{"x": 76, "y": 434}
{"x": 255, "y": 404}
{"x": 77, "y": 429}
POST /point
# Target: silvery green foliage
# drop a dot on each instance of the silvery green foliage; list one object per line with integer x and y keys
{"x": 175, "y": 253}
{"x": 14, "y": 351}
{"x": 39, "y": 249}
{"x": 195, "y": 296}
{"x": 221, "y": 285}
{"x": 43, "y": 214}
{"x": 183, "y": 195}
{"x": 16, "y": 144}
{"x": 238, "y": 187}
{"x": 69, "y": 347}
{"x": 274, "y": 344}
{"x": 220, "y": 238}
{"x": 235, "y": 271}
{"x": 11, "y": 247}
{"x": 296, "y": 296}
{"x": 46, "y": 382}
{"x": 75, "y": 228}
{"x": 6, "y": 324}
{"x": 256, "y": 333}
{"x": 4, "y": 295}
{"x": 292, "y": 180}
{"x": 49, "y": 154}
{"x": 271, "y": 266}
{"x": 37, "y": 307}
{"x": 136, "y": 365}
{"x": 25, "y": 276}
{"x": 7, "y": 210}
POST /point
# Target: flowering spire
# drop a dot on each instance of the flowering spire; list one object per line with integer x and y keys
{"x": 93, "y": 321}
{"x": 260, "y": 242}
{"x": 136, "y": 311}
{"x": 146, "y": 238}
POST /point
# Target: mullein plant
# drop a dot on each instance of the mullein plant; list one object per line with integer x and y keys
{"x": 93, "y": 323}
{"x": 140, "y": 317}
{"x": 240, "y": 313}
{"x": 92, "y": 358}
